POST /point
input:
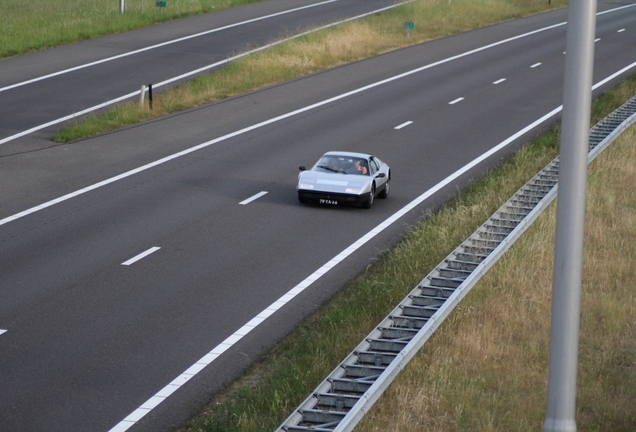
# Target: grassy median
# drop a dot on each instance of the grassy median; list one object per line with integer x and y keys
{"x": 485, "y": 369}
{"x": 316, "y": 51}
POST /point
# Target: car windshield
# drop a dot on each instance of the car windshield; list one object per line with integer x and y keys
{"x": 343, "y": 165}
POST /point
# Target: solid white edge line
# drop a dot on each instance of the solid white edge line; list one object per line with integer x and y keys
{"x": 614, "y": 75}
{"x": 453, "y": 102}
{"x": 253, "y": 197}
{"x": 68, "y": 117}
{"x": 173, "y": 41}
{"x": 616, "y": 9}
{"x": 54, "y": 122}
{"x": 141, "y": 256}
{"x": 159, "y": 45}
{"x": 188, "y": 74}
{"x": 258, "y": 125}
{"x": 129, "y": 421}
{"x": 278, "y": 42}
{"x": 125, "y": 424}
{"x": 403, "y": 125}
{"x": 137, "y": 414}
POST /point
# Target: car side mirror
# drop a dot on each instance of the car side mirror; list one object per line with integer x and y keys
{"x": 380, "y": 175}
{"x": 302, "y": 168}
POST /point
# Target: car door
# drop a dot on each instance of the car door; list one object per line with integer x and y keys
{"x": 374, "y": 167}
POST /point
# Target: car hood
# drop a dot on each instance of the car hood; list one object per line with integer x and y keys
{"x": 327, "y": 182}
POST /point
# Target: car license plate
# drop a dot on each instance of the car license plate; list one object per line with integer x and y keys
{"x": 328, "y": 201}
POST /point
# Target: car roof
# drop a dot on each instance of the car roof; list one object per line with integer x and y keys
{"x": 347, "y": 154}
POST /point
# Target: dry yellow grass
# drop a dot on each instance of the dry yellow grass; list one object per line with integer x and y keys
{"x": 486, "y": 367}
{"x": 317, "y": 51}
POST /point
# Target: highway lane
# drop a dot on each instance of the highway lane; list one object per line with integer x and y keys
{"x": 45, "y": 174}
{"x": 219, "y": 36}
{"x": 93, "y": 340}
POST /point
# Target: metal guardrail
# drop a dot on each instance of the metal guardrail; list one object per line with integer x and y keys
{"x": 344, "y": 397}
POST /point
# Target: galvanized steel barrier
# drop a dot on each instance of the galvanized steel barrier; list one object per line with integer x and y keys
{"x": 344, "y": 397}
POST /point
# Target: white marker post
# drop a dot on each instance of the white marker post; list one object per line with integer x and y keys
{"x": 142, "y": 96}
{"x": 570, "y": 223}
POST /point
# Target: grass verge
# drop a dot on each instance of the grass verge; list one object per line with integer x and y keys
{"x": 32, "y": 25}
{"x": 485, "y": 369}
{"x": 316, "y": 51}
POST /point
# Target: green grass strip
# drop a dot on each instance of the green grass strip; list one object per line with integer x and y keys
{"x": 33, "y": 25}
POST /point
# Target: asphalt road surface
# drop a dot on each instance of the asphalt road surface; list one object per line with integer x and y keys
{"x": 125, "y": 304}
{"x": 43, "y": 87}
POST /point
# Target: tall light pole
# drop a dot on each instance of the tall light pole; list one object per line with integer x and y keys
{"x": 570, "y": 224}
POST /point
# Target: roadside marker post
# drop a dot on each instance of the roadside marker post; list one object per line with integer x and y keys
{"x": 142, "y": 95}
{"x": 149, "y": 86}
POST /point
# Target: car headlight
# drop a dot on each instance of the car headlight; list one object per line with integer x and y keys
{"x": 352, "y": 190}
{"x": 305, "y": 186}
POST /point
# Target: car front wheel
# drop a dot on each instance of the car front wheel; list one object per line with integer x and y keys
{"x": 367, "y": 204}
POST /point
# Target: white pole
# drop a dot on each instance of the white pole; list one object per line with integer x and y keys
{"x": 122, "y": 6}
{"x": 570, "y": 223}
{"x": 142, "y": 95}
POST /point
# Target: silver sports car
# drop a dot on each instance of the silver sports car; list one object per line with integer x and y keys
{"x": 344, "y": 178}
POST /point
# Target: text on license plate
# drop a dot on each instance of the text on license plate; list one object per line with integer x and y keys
{"x": 328, "y": 201}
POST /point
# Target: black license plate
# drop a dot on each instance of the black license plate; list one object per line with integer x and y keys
{"x": 328, "y": 201}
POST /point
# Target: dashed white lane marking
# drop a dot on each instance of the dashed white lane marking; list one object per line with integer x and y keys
{"x": 499, "y": 81}
{"x": 620, "y": 31}
{"x": 141, "y": 256}
{"x": 535, "y": 65}
{"x": 453, "y": 102}
{"x": 403, "y": 125}
{"x": 254, "y": 126}
{"x": 173, "y": 386}
{"x": 597, "y": 39}
{"x": 254, "y": 197}
{"x": 2, "y": 331}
